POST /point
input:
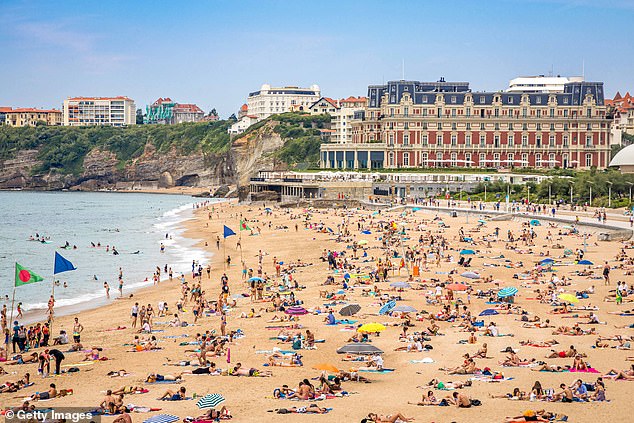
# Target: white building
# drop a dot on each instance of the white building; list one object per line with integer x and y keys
{"x": 341, "y": 112}
{"x": 541, "y": 83}
{"x": 242, "y": 124}
{"x": 109, "y": 111}
{"x": 270, "y": 100}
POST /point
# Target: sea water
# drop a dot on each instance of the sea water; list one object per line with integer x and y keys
{"x": 135, "y": 224}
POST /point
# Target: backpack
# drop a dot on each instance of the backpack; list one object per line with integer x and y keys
{"x": 476, "y": 402}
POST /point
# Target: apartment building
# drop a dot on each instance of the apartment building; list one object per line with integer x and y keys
{"x": 107, "y": 111}
{"x": 273, "y": 100}
{"x": 31, "y": 117}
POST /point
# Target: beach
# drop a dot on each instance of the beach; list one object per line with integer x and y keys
{"x": 304, "y": 236}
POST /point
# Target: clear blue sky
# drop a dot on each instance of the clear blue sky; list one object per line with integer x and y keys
{"x": 214, "y": 52}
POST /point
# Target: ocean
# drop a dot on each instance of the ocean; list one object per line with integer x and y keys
{"x": 136, "y": 224}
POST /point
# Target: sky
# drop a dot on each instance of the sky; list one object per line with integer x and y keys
{"x": 213, "y": 53}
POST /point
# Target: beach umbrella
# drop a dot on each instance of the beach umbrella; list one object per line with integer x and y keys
{"x": 350, "y": 310}
{"x": 366, "y": 232}
{"x": 359, "y": 348}
{"x": 268, "y": 209}
{"x": 371, "y": 328}
{"x": 415, "y": 209}
{"x": 482, "y": 221}
{"x": 400, "y": 285}
{"x": 405, "y": 309}
{"x": 296, "y": 311}
{"x": 508, "y": 291}
{"x": 535, "y": 222}
{"x": 346, "y": 275}
{"x": 489, "y": 312}
{"x": 362, "y": 242}
{"x": 326, "y": 367}
{"x": 161, "y": 418}
{"x": 470, "y": 275}
{"x": 387, "y": 307}
{"x": 210, "y": 401}
{"x": 569, "y": 298}
{"x": 547, "y": 261}
{"x": 585, "y": 262}
{"x": 467, "y": 252}
{"x": 255, "y": 279}
{"x": 567, "y": 227}
{"x": 457, "y": 287}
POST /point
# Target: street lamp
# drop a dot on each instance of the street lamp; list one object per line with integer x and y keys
{"x": 528, "y": 197}
{"x": 550, "y": 201}
{"x": 609, "y": 194}
{"x": 590, "y": 182}
{"x": 571, "y": 184}
{"x": 630, "y": 184}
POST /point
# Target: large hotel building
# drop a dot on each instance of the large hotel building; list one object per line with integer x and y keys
{"x": 411, "y": 124}
{"x": 109, "y": 111}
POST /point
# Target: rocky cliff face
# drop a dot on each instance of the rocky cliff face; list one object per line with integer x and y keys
{"x": 101, "y": 170}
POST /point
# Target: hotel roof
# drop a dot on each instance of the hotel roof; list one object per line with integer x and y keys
{"x": 99, "y": 98}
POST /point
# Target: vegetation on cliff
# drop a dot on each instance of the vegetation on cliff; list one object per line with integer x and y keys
{"x": 301, "y": 134}
{"x": 62, "y": 149}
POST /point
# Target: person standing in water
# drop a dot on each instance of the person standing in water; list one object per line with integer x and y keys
{"x": 107, "y": 288}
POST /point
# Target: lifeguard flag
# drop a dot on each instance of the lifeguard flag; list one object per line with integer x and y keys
{"x": 62, "y": 265}
{"x": 244, "y": 226}
{"x": 228, "y": 232}
{"x": 24, "y": 276}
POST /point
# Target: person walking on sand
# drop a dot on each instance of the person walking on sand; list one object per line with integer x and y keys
{"x": 606, "y": 273}
{"x": 223, "y": 323}
{"x": 78, "y": 328}
{"x": 134, "y": 313}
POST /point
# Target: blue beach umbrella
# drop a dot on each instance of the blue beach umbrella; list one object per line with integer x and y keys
{"x": 387, "y": 307}
{"x": 467, "y": 252}
{"x": 255, "y": 279}
{"x": 535, "y": 222}
{"x": 415, "y": 209}
{"x": 161, "y": 418}
{"x": 585, "y": 262}
{"x": 508, "y": 291}
{"x": 547, "y": 261}
{"x": 366, "y": 232}
{"x": 489, "y": 312}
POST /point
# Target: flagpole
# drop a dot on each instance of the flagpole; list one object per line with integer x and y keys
{"x": 224, "y": 249}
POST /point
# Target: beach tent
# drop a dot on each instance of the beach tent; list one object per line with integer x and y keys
{"x": 467, "y": 252}
{"x": 489, "y": 312}
{"x": 359, "y": 348}
{"x": 508, "y": 291}
{"x": 535, "y": 222}
{"x": 210, "y": 401}
{"x": 350, "y": 310}
{"x": 585, "y": 262}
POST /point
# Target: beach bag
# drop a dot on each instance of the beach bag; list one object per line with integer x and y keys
{"x": 476, "y": 402}
{"x": 443, "y": 403}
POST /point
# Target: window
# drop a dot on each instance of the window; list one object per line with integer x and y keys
{"x": 454, "y": 140}
{"x": 405, "y": 159}
{"x": 439, "y": 139}
{"x": 482, "y": 160}
{"x": 524, "y": 127}
{"x": 538, "y": 160}
{"x": 510, "y": 126}
{"x": 425, "y": 126}
{"x": 588, "y": 140}
{"x": 439, "y": 112}
{"x": 496, "y": 141}
{"x": 551, "y": 141}
{"x": 496, "y": 112}
{"x": 497, "y": 126}
{"x": 424, "y": 159}
{"x": 510, "y": 158}
{"x": 453, "y": 112}
{"x": 510, "y": 100}
{"x": 454, "y": 126}
{"x": 588, "y": 160}
{"x": 391, "y": 139}
{"x": 539, "y": 127}
{"x": 453, "y": 100}
{"x": 468, "y": 111}
{"x": 467, "y": 139}
{"x": 552, "y": 126}
{"x": 524, "y": 111}
{"x": 482, "y": 99}
{"x": 551, "y": 160}
{"x": 391, "y": 159}
{"x": 510, "y": 140}
{"x": 588, "y": 112}
{"x": 565, "y": 126}
{"x": 496, "y": 159}
{"x": 467, "y": 160}
{"x": 565, "y": 138}
{"x": 438, "y": 159}
{"x": 425, "y": 140}
{"x": 589, "y": 127}
{"x": 468, "y": 126}
{"x": 406, "y": 139}
{"x": 539, "y": 112}
{"x": 538, "y": 140}
{"x": 552, "y": 113}
{"x": 405, "y": 111}
{"x": 481, "y": 126}
{"x": 406, "y": 125}
{"x": 454, "y": 159}
{"x": 483, "y": 140}
{"x": 524, "y": 159}
{"x": 439, "y": 126}
{"x": 424, "y": 112}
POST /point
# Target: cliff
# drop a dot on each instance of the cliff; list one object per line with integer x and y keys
{"x": 154, "y": 156}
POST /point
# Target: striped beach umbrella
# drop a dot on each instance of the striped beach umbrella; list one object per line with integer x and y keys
{"x": 161, "y": 418}
{"x": 210, "y": 401}
{"x": 296, "y": 311}
{"x": 509, "y": 291}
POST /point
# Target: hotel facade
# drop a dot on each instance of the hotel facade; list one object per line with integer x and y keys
{"x": 31, "y": 117}
{"x": 107, "y": 111}
{"x": 411, "y": 124}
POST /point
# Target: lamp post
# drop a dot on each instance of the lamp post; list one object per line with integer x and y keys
{"x": 609, "y": 194}
{"x": 590, "y": 183}
{"x": 630, "y": 184}
{"x": 528, "y": 196}
{"x": 571, "y": 184}
{"x": 550, "y": 201}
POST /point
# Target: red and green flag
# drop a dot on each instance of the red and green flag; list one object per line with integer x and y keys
{"x": 244, "y": 226}
{"x": 24, "y": 276}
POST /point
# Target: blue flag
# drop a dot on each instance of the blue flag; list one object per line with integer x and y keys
{"x": 62, "y": 265}
{"x": 228, "y": 232}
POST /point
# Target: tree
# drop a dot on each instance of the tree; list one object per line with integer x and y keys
{"x": 628, "y": 139}
{"x": 233, "y": 117}
{"x": 139, "y": 116}
{"x": 213, "y": 112}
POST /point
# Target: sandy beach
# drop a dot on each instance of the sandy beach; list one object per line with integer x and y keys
{"x": 295, "y": 236}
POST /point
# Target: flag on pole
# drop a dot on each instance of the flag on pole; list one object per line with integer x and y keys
{"x": 24, "y": 276}
{"x": 228, "y": 232}
{"x": 244, "y": 226}
{"x": 62, "y": 265}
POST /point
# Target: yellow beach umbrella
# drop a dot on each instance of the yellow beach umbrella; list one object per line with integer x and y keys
{"x": 568, "y": 298}
{"x": 362, "y": 242}
{"x": 371, "y": 328}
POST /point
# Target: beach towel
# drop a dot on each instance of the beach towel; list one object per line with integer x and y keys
{"x": 589, "y": 370}
{"x": 426, "y": 360}
{"x": 163, "y": 382}
{"x": 377, "y": 371}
